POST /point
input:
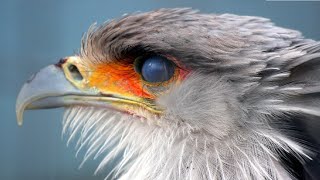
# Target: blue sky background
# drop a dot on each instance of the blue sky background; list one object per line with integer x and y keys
{"x": 35, "y": 33}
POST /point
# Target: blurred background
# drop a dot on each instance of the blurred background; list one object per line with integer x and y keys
{"x": 35, "y": 33}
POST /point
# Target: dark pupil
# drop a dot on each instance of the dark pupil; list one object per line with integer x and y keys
{"x": 157, "y": 69}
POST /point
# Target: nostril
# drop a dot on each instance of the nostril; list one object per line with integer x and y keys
{"x": 75, "y": 73}
{"x": 61, "y": 61}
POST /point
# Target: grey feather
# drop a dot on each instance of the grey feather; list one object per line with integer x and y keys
{"x": 226, "y": 120}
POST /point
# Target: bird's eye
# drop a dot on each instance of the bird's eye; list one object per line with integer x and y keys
{"x": 155, "y": 68}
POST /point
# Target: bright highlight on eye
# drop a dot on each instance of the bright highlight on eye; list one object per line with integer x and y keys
{"x": 155, "y": 69}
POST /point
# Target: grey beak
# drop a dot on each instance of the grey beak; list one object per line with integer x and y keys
{"x": 46, "y": 89}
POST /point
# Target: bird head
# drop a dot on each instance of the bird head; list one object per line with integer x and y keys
{"x": 173, "y": 93}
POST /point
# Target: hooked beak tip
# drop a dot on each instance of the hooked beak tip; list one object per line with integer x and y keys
{"x": 20, "y": 119}
{"x": 20, "y": 108}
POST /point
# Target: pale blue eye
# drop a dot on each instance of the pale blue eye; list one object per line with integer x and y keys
{"x": 157, "y": 69}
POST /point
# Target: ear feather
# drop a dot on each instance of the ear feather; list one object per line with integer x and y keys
{"x": 290, "y": 88}
{"x": 291, "y": 80}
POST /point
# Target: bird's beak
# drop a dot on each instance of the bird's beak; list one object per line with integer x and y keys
{"x": 63, "y": 84}
{"x": 45, "y": 89}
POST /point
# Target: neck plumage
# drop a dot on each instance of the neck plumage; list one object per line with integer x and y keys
{"x": 148, "y": 151}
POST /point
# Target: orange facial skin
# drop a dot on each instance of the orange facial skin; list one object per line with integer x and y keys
{"x": 120, "y": 78}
